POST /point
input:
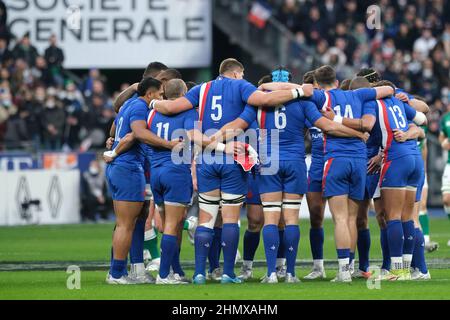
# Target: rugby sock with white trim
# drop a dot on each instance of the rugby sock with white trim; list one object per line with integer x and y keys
{"x": 408, "y": 244}
{"x": 419, "y": 252}
{"x": 214, "y": 251}
{"x": 271, "y": 239}
{"x": 343, "y": 259}
{"x": 168, "y": 249}
{"x": 118, "y": 268}
{"x": 395, "y": 241}
{"x": 316, "y": 238}
{"x": 363, "y": 249}
{"x": 230, "y": 241}
{"x": 291, "y": 240}
{"x": 202, "y": 243}
{"x": 251, "y": 243}
{"x": 151, "y": 243}
{"x": 425, "y": 224}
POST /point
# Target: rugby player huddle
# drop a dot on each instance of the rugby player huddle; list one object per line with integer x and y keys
{"x": 364, "y": 137}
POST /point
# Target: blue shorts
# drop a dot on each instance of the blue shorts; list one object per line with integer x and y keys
{"x": 253, "y": 196}
{"x": 228, "y": 178}
{"x": 419, "y": 160}
{"x": 290, "y": 178}
{"x": 126, "y": 183}
{"x": 372, "y": 181}
{"x": 401, "y": 172}
{"x": 345, "y": 176}
{"x": 315, "y": 175}
{"x": 171, "y": 184}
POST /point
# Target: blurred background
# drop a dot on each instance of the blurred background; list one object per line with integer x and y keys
{"x": 62, "y": 67}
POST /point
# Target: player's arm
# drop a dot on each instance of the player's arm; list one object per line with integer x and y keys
{"x": 237, "y": 126}
{"x": 416, "y": 103}
{"x": 124, "y": 96}
{"x": 413, "y": 133}
{"x": 443, "y": 139}
{"x": 124, "y": 145}
{"x": 425, "y": 151}
{"x": 273, "y": 86}
{"x": 277, "y": 97}
{"x": 171, "y": 107}
{"x": 141, "y": 133}
{"x": 200, "y": 139}
{"x": 338, "y": 130}
{"x": 365, "y": 124}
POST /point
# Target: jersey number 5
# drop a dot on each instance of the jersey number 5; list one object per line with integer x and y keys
{"x": 216, "y": 106}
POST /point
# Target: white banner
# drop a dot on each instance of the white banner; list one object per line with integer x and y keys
{"x": 39, "y": 197}
{"x": 118, "y": 33}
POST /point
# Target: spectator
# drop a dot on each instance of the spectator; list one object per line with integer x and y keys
{"x": 54, "y": 56}
{"x": 93, "y": 193}
{"x": 25, "y": 50}
{"x": 5, "y": 55}
{"x": 424, "y": 44}
{"x": 53, "y": 118}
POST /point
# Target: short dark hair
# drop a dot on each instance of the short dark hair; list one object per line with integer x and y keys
{"x": 345, "y": 84}
{"x": 266, "y": 79}
{"x": 153, "y": 69}
{"x": 230, "y": 64}
{"x": 174, "y": 88}
{"x": 169, "y": 74}
{"x": 308, "y": 77}
{"x": 383, "y": 83}
{"x": 359, "y": 82}
{"x": 325, "y": 75}
{"x": 370, "y": 74}
{"x": 148, "y": 84}
{"x": 190, "y": 84}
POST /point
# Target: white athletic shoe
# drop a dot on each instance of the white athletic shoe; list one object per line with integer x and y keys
{"x": 246, "y": 273}
{"x": 153, "y": 266}
{"x": 448, "y": 243}
{"x": 351, "y": 267}
{"x": 291, "y": 279}
{"x": 316, "y": 274}
{"x": 281, "y": 272}
{"x": 343, "y": 277}
{"x": 270, "y": 279}
{"x": 193, "y": 223}
{"x": 417, "y": 275}
{"x": 168, "y": 280}
{"x": 216, "y": 275}
{"x": 143, "y": 279}
{"x": 359, "y": 274}
{"x": 125, "y": 280}
{"x": 178, "y": 277}
{"x": 431, "y": 246}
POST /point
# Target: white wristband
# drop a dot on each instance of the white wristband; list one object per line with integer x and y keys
{"x": 220, "y": 147}
{"x": 337, "y": 119}
{"x": 297, "y": 93}
{"x": 114, "y": 154}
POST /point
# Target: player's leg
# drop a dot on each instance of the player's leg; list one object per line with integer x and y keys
{"x": 178, "y": 271}
{"x": 419, "y": 265}
{"x": 353, "y": 207}
{"x": 252, "y": 236}
{"x": 382, "y": 223}
{"x": 290, "y": 211}
{"x": 272, "y": 211}
{"x": 281, "y": 254}
{"x": 446, "y": 191}
{"x": 363, "y": 239}
{"x": 215, "y": 272}
{"x": 316, "y": 205}
{"x": 151, "y": 239}
{"x": 408, "y": 229}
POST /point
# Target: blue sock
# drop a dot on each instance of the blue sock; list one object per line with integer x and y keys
{"x": 137, "y": 242}
{"x": 271, "y": 240}
{"x": 363, "y": 249}
{"x": 385, "y": 250}
{"x": 409, "y": 234}
{"x": 169, "y": 247}
{"x": 202, "y": 242}
{"x": 351, "y": 257}
{"x": 176, "y": 266}
{"x": 281, "y": 249}
{"x": 291, "y": 240}
{"x": 395, "y": 238}
{"x": 214, "y": 251}
{"x": 230, "y": 242}
{"x": 251, "y": 242}
{"x": 419, "y": 252}
{"x": 316, "y": 238}
{"x": 343, "y": 253}
{"x": 118, "y": 268}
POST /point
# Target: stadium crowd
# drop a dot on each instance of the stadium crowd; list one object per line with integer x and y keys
{"x": 411, "y": 48}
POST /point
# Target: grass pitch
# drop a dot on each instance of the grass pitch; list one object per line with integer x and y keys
{"x": 70, "y": 244}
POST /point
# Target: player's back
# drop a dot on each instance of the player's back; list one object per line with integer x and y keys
{"x": 221, "y": 101}
{"x": 288, "y": 122}
{"x": 171, "y": 128}
{"x": 391, "y": 115}
{"x": 316, "y": 136}
{"x": 135, "y": 155}
{"x": 347, "y": 104}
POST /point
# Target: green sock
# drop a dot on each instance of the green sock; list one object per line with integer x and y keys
{"x": 152, "y": 246}
{"x": 186, "y": 225}
{"x": 425, "y": 223}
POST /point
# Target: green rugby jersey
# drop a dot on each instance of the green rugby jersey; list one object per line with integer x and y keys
{"x": 445, "y": 129}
